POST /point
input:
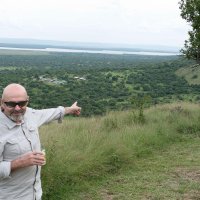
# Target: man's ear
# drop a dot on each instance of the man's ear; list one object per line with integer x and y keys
{"x": 1, "y": 104}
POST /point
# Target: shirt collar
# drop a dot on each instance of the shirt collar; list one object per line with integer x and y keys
{"x": 8, "y": 122}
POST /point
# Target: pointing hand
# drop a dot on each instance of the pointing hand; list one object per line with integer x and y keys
{"x": 73, "y": 109}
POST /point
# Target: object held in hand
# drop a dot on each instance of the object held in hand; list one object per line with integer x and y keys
{"x": 44, "y": 152}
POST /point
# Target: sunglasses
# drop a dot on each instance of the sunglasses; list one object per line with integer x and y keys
{"x": 12, "y": 104}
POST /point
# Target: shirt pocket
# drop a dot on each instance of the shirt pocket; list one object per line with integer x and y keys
{"x": 11, "y": 149}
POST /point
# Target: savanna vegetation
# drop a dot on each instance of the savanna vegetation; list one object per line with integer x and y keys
{"x": 124, "y": 156}
{"x": 146, "y": 151}
{"x": 110, "y": 154}
{"x": 99, "y": 82}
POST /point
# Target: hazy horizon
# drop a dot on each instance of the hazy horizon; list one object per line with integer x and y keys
{"x": 29, "y": 41}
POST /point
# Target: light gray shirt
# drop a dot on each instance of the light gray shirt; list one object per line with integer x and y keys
{"x": 16, "y": 140}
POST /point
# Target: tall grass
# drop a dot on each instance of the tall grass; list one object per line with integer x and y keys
{"x": 83, "y": 151}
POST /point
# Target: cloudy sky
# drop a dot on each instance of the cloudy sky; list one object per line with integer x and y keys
{"x": 147, "y": 22}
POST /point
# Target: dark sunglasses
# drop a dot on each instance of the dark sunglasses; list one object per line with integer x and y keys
{"x": 13, "y": 104}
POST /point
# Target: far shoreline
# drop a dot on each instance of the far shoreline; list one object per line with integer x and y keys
{"x": 114, "y": 52}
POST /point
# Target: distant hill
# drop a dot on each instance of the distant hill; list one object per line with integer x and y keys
{"x": 35, "y": 43}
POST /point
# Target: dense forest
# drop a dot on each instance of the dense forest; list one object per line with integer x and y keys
{"x": 99, "y": 82}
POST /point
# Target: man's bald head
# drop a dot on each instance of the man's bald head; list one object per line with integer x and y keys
{"x": 14, "y": 102}
{"x": 14, "y": 92}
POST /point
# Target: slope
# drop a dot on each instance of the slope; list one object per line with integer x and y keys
{"x": 120, "y": 156}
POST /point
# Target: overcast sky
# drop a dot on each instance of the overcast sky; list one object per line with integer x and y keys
{"x": 155, "y": 22}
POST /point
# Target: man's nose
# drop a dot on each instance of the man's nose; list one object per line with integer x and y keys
{"x": 17, "y": 107}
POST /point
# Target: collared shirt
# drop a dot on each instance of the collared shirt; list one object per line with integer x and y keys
{"x": 16, "y": 140}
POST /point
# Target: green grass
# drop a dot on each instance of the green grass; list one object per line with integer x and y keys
{"x": 168, "y": 174}
{"x": 191, "y": 74}
{"x": 120, "y": 157}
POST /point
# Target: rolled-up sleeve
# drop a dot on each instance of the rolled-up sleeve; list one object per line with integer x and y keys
{"x": 5, "y": 167}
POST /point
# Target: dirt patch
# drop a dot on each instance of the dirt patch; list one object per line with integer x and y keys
{"x": 188, "y": 174}
{"x": 108, "y": 195}
{"x": 192, "y": 195}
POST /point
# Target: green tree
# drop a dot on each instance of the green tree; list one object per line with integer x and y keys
{"x": 190, "y": 11}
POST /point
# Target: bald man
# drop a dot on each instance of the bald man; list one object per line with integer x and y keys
{"x": 20, "y": 150}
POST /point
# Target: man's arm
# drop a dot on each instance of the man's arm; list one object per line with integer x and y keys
{"x": 47, "y": 115}
{"x": 28, "y": 159}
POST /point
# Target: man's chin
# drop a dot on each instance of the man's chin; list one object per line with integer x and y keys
{"x": 16, "y": 117}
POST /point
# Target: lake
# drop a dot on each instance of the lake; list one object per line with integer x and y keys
{"x": 96, "y": 51}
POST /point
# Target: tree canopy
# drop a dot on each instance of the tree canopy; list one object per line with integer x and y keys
{"x": 190, "y": 11}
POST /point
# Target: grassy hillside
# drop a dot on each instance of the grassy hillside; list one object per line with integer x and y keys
{"x": 190, "y": 73}
{"x": 124, "y": 156}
